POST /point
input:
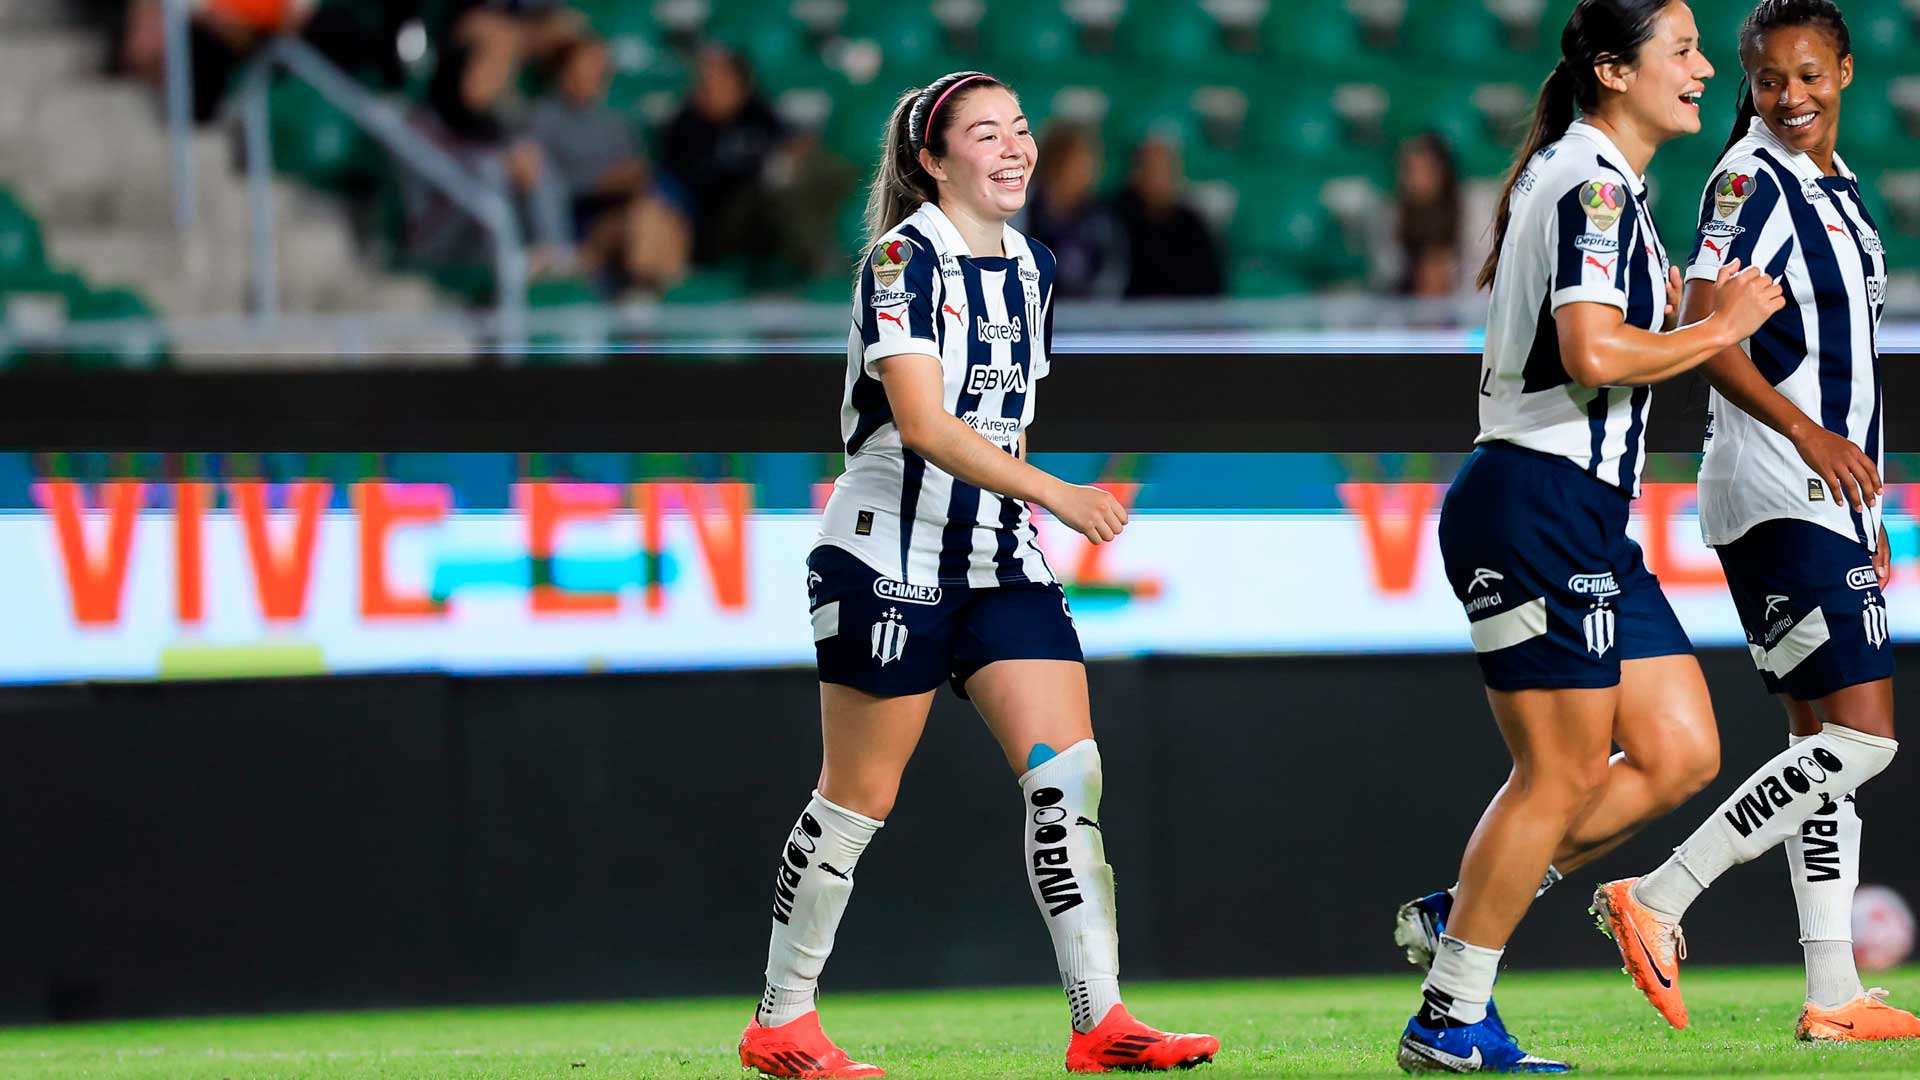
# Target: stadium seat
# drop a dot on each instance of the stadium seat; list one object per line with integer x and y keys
{"x": 1319, "y": 30}
{"x": 1463, "y": 34}
{"x": 21, "y": 246}
{"x": 1168, "y": 34}
{"x": 1031, "y": 38}
{"x": 316, "y": 141}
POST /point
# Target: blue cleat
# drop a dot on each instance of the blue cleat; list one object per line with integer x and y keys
{"x": 1482, "y": 1047}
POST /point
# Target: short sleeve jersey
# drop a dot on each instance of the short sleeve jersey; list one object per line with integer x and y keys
{"x": 989, "y": 321}
{"x": 1772, "y": 207}
{"x": 1578, "y": 232}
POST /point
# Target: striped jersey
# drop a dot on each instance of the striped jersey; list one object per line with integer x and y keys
{"x": 1579, "y": 232}
{"x": 989, "y": 321}
{"x": 1771, "y": 207}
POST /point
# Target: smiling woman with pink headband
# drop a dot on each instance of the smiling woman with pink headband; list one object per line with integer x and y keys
{"x": 926, "y": 570}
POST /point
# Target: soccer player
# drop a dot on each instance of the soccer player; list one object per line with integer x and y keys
{"x": 1576, "y": 643}
{"x": 1788, "y": 499}
{"x": 926, "y": 571}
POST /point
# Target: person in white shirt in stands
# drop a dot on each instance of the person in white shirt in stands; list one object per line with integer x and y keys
{"x": 1789, "y": 499}
{"x": 926, "y": 571}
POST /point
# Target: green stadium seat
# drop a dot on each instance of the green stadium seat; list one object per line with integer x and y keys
{"x": 1318, "y": 30}
{"x": 909, "y": 36}
{"x": 1139, "y": 110}
{"x": 1263, "y": 276}
{"x": 1463, "y": 34}
{"x": 1884, "y": 37}
{"x": 21, "y": 245}
{"x": 1293, "y": 126}
{"x": 1022, "y": 38}
{"x": 1169, "y": 34}
{"x": 859, "y": 117}
{"x": 137, "y": 346}
{"x": 1290, "y": 223}
{"x": 767, "y": 35}
{"x": 316, "y": 141}
{"x": 709, "y": 286}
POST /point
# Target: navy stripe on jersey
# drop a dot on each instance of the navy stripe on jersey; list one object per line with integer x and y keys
{"x": 963, "y": 507}
{"x": 1544, "y": 369}
{"x": 1758, "y": 208}
{"x": 1778, "y": 347}
{"x": 913, "y": 471}
{"x": 1627, "y": 272}
{"x": 1567, "y": 273}
{"x": 1873, "y": 329}
{"x": 1013, "y": 403}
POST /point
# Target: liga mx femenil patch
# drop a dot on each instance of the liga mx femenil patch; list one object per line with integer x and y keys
{"x": 1732, "y": 192}
{"x": 1603, "y": 200}
{"x": 890, "y": 260}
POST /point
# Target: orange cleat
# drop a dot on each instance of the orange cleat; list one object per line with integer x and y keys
{"x": 1866, "y": 1018}
{"x": 1650, "y": 947}
{"x": 1121, "y": 1043}
{"x": 798, "y": 1048}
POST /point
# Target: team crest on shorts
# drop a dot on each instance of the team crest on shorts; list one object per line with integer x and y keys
{"x": 1873, "y": 619}
{"x": 1604, "y": 201}
{"x": 1732, "y": 192}
{"x": 1598, "y": 625}
{"x": 890, "y": 260}
{"x": 889, "y": 637}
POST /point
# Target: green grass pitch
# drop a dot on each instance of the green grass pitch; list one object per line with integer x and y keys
{"x": 1742, "y": 1026}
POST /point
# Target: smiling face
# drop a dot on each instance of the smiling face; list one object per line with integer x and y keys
{"x": 1661, "y": 90}
{"x": 989, "y": 156}
{"x": 1796, "y": 74}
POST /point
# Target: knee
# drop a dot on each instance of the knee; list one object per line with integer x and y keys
{"x": 1686, "y": 769}
{"x": 1563, "y": 787}
{"x": 870, "y": 796}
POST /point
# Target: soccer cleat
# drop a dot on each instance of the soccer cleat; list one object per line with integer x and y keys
{"x": 798, "y": 1048}
{"x": 1417, "y": 927}
{"x": 1418, "y": 924}
{"x": 1481, "y": 1047}
{"x": 1650, "y": 947}
{"x": 1122, "y": 1044}
{"x": 1867, "y": 1018}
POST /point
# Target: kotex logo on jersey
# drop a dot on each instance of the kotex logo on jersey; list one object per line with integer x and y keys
{"x": 1731, "y": 192}
{"x": 890, "y": 260}
{"x": 997, "y": 331}
{"x": 1603, "y": 201}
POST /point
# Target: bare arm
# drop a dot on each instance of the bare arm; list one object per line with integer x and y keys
{"x": 915, "y": 391}
{"x": 1844, "y": 466}
{"x": 1598, "y": 348}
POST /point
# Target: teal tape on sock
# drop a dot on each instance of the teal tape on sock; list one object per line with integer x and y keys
{"x": 1040, "y": 755}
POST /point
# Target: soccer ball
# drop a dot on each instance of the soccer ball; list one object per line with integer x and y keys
{"x": 1882, "y": 928}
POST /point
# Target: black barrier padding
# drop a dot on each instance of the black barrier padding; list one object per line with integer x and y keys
{"x": 1353, "y": 402}
{"x": 352, "y": 841}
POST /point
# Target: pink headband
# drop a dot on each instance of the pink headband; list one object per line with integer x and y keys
{"x": 926, "y": 122}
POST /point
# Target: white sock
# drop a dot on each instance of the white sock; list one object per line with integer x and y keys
{"x": 1459, "y": 984}
{"x": 810, "y": 893}
{"x": 1766, "y": 809}
{"x": 1825, "y": 860}
{"x": 1067, "y": 866}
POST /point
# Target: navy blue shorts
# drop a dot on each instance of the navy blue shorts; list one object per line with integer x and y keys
{"x": 874, "y": 633}
{"x": 1555, "y": 593}
{"x": 1816, "y": 621}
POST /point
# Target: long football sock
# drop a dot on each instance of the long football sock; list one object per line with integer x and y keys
{"x": 1066, "y": 863}
{"x": 810, "y": 893}
{"x": 1825, "y": 860}
{"x": 1766, "y": 809}
{"x": 1459, "y": 984}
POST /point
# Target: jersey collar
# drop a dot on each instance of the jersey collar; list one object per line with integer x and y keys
{"x": 951, "y": 242}
{"x": 1801, "y": 164}
{"x": 1610, "y": 154}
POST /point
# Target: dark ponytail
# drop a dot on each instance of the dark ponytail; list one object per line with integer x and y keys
{"x": 1775, "y": 15}
{"x": 1598, "y": 32}
{"x": 900, "y": 185}
{"x": 1552, "y": 116}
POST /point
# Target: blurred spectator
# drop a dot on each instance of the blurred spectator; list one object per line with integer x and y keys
{"x": 221, "y": 36}
{"x": 759, "y": 192}
{"x": 628, "y": 231}
{"x": 1065, "y": 212}
{"x": 1170, "y": 249}
{"x": 464, "y": 119}
{"x": 1426, "y": 228}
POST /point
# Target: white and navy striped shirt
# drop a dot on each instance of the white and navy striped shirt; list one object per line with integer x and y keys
{"x": 1579, "y": 232}
{"x": 1772, "y": 207}
{"x": 989, "y": 321}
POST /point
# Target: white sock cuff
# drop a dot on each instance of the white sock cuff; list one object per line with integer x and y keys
{"x": 1463, "y": 970}
{"x": 853, "y": 820}
{"x": 1071, "y": 760}
{"x": 1839, "y": 731}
